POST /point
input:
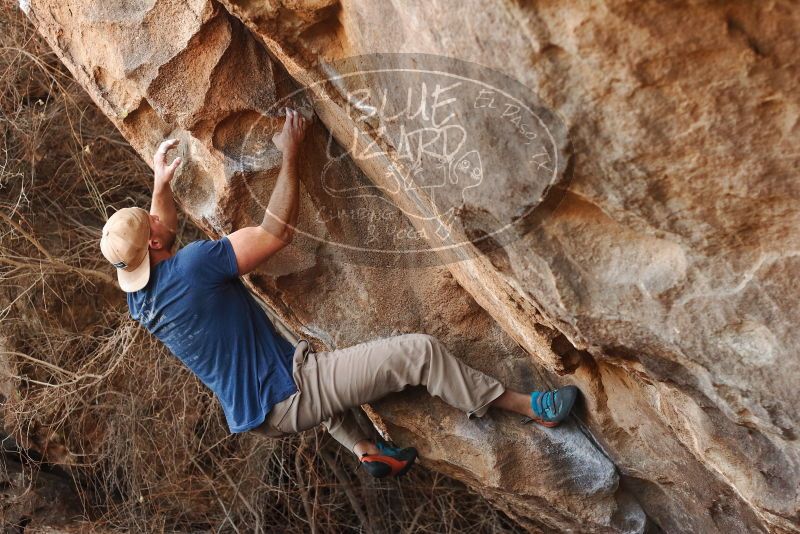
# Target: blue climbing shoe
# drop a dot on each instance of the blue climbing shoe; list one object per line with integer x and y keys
{"x": 552, "y": 407}
{"x": 391, "y": 461}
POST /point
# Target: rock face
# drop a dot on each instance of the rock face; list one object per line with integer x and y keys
{"x": 653, "y": 266}
{"x": 37, "y": 500}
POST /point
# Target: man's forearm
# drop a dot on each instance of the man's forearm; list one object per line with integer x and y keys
{"x": 163, "y": 205}
{"x": 283, "y": 207}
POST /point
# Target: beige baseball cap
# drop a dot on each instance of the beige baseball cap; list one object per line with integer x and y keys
{"x": 125, "y": 244}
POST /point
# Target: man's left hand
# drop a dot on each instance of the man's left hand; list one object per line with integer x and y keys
{"x": 164, "y": 172}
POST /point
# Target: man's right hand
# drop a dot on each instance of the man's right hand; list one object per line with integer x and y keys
{"x": 253, "y": 245}
{"x": 294, "y": 130}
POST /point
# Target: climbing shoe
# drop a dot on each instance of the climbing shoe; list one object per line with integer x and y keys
{"x": 391, "y": 461}
{"x": 552, "y": 407}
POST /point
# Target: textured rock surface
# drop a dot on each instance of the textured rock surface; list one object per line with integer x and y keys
{"x": 35, "y": 500}
{"x": 662, "y": 284}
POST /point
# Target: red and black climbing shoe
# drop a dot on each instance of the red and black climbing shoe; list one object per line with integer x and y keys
{"x": 552, "y": 407}
{"x": 391, "y": 461}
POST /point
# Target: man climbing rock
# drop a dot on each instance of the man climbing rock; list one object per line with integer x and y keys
{"x": 193, "y": 301}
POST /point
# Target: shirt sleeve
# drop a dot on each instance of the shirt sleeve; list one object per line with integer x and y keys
{"x": 210, "y": 260}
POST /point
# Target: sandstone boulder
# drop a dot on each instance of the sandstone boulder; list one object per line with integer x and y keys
{"x": 652, "y": 265}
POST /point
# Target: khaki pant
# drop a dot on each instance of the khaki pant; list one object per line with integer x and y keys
{"x": 330, "y": 383}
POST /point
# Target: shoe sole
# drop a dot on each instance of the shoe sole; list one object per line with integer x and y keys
{"x": 548, "y": 424}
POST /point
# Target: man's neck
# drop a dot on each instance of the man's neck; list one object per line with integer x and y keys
{"x": 157, "y": 256}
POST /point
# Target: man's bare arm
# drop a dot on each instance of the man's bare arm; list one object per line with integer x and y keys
{"x": 254, "y": 244}
{"x": 163, "y": 204}
{"x": 281, "y": 214}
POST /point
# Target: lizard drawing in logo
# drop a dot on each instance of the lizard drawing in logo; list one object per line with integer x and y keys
{"x": 429, "y": 159}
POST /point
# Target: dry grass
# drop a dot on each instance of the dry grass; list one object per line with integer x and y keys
{"x": 144, "y": 441}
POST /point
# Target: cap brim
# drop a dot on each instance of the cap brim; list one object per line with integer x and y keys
{"x": 136, "y": 279}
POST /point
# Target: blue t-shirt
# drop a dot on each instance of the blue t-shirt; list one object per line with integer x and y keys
{"x": 196, "y": 305}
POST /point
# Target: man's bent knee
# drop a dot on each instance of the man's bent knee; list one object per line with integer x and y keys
{"x": 422, "y": 343}
{"x": 424, "y": 338}
{"x": 424, "y": 347}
